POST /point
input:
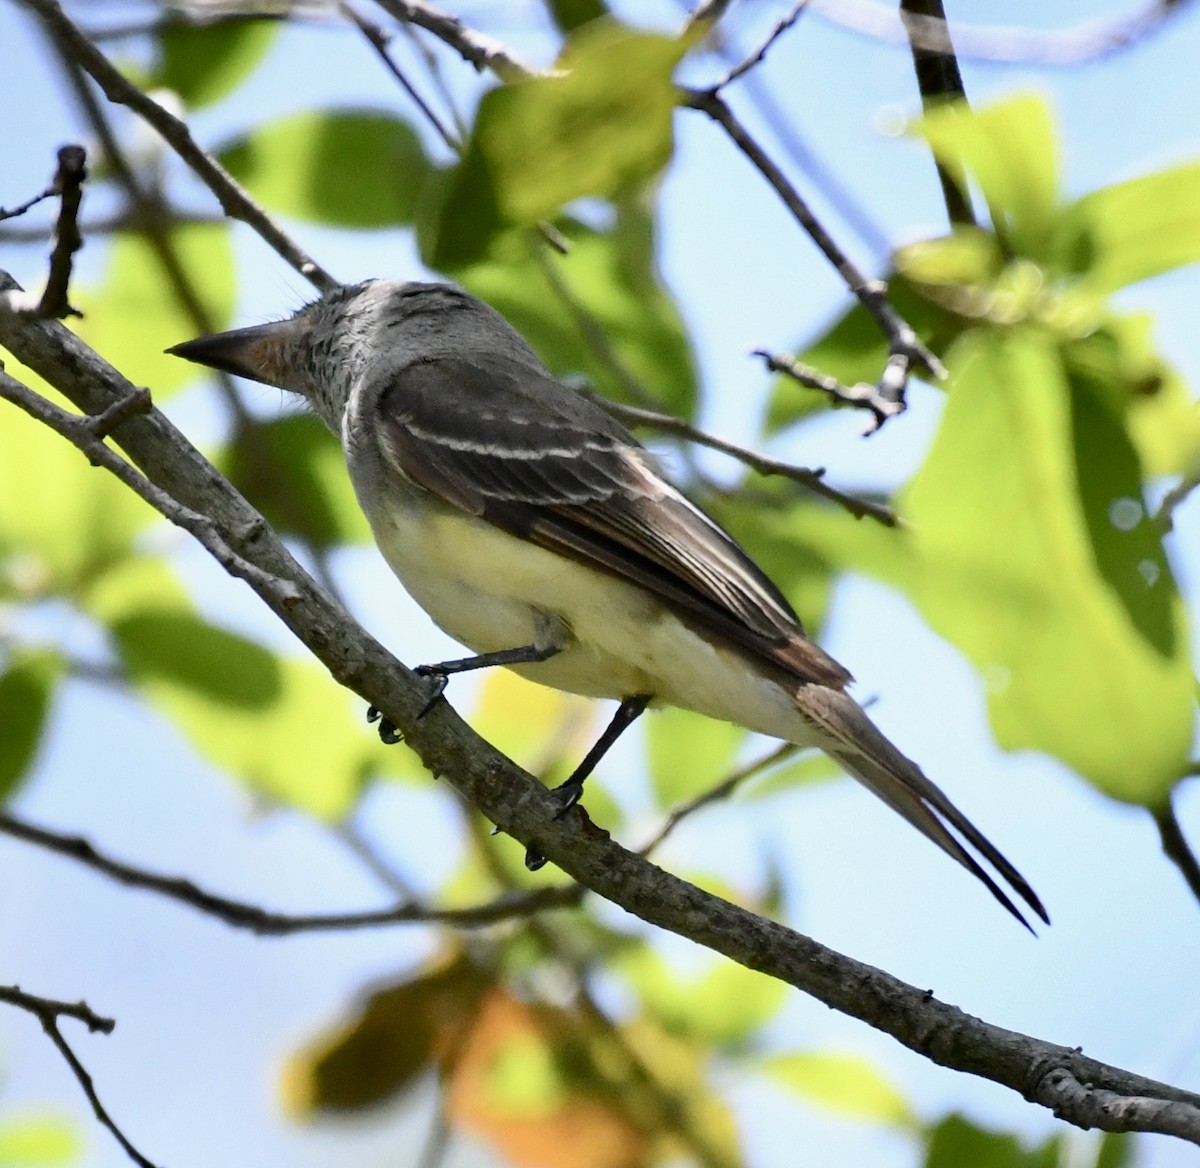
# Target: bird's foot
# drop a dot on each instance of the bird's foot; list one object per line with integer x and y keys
{"x": 439, "y": 679}
{"x": 389, "y": 734}
{"x": 566, "y": 795}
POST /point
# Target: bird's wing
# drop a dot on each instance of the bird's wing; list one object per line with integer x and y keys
{"x": 506, "y": 442}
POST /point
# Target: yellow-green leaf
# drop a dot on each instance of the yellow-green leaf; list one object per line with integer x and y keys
{"x": 348, "y": 168}
{"x": 204, "y": 63}
{"x": 688, "y": 753}
{"x": 38, "y": 1140}
{"x": 842, "y": 1083}
{"x": 26, "y": 685}
{"x": 137, "y": 310}
{"x": 1035, "y": 556}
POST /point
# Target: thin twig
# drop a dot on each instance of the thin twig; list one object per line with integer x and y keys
{"x": 721, "y": 790}
{"x": 814, "y": 480}
{"x": 378, "y": 40}
{"x": 86, "y": 434}
{"x": 47, "y": 1011}
{"x": 482, "y": 51}
{"x": 905, "y": 348}
{"x": 1175, "y": 845}
{"x": 862, "y": 396}
{"x": 940, "y": 81}
{"x": 1164, "y": 517}
{"x": 264, "y": 923}
{"x": 1071, "y": 46}
{"x": 758, "y": 55}
{"x": 235, "y": 201}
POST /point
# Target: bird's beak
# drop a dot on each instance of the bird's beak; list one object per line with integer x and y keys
{"x": 259, "y": 353}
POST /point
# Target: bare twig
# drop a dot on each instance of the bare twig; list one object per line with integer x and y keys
{"x": 48, "y": 1012}
{"x": 524, "y": 809}
{"x": 905, "y": 348}
{"x": 265, "y": 923}
{"x": 378, "y": 40}
{"x": 233, "y": 199}
{"x": 1070, "y": 46}
{"x": 1175, "y": 845}
{"x": 484, "y": 52}
{"x": 758, "y": 55}
{"x": 721, "y": 790}
{"x": 940, "y": 81}
{"x": 1164, "y": 517}
{"x": 68, "y": 180}
{"x": 814, "y": 480}
{"x": 862, "y": 396}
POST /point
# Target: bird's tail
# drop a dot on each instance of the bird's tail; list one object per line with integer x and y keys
{"x": 855, "y": 741}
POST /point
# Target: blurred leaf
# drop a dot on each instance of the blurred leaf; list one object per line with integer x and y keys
{"x": 688, "y": 753}
{"x": 853, "y": 349}
{"x": 611, "y": 276}
{"x": 346, "y": 168}
{"x": 602, "y": 127}
{"x": 568, "y": 15}
{"x": 206, "y": 62}
{"x": 280, "y": 726}
{"x": 25, "y": 689}
{"x": 723, "y": 1006}
{"x": 958, "y": 1143}
{"x": 1162, "y": 414}
{"x": 1133, "y": 230}
{"x": 397, "y": 1034}
{"x": 1117, "y": 1150}
{"x": 526, "y": 1079}
{"x": 532, "y": 724}
{"x": 810, "y": 768}
{"x": 843, "y": 1083}
{"x": 39, "y": 1140}
{"x": 62, "y": 521}
{"x": 1071, "y": 614}
{"x": 293, "y": 471}
{"x": 1011, "y": 150}
{"x": 137, "y": 311}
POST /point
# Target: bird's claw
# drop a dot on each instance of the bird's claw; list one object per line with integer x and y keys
{"x": 389, "y": 734}
{"x": 566, "y": 795}
{"x": 440, "y": 679}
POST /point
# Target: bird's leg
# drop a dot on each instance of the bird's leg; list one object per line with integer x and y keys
{"x": 569, "y": 792}
{"x": 440, "y": 673}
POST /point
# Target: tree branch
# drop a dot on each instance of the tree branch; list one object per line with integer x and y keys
{"x": 235, "y": 201}
{"x": 1175, "y": 845}
{"x": 48, "y": 1012}
{"x": 522, "y": 807}
{"x": 265, "y": 923}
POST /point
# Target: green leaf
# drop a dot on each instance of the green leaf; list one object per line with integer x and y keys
{"x": 348, "y": 168}
{"x": 25, "y": 689}
{"x": 842, "y": 1083}
{"x": 1011, "y": 150}
{"x": 204, "y": 63}
{"x": 1116, "y": 1150}
{"x": 688, "y": 753}
{"x": 280, "y": 726}
{"x": 39, "y": 1140}
{"x": 137, "y": 311}
{"x": 600, "y": 127}
{"x": 1035, "y": 556}
{"x": 957, "y": 1143}
{"x": 810, "y": 768}
{"x": 569, "y": 15}
{"x": 294, "y": 472}
{"x": 1133, "y": 230}
{"x": 611, "y": 280}
{"x": 724, "y": 1005}
{"x": 73, "y": 520}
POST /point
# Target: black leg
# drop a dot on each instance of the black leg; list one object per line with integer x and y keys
{"x": 568, "y": 793}
{"x": 440, "y": 673}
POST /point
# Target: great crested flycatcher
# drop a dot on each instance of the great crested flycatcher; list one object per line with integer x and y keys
{"x": 537, "y": 531}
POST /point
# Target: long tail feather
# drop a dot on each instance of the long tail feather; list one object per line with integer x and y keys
{"x": 899, "y": 782}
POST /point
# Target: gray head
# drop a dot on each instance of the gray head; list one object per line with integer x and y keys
{"x": 359, "y": 333}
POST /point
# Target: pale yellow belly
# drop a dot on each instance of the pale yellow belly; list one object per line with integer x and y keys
{"x": 492, "y": 591}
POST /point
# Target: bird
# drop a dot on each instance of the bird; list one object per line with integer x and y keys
{"x": 537, "y": 531}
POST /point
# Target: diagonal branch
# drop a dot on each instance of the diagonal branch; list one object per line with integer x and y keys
{"x": 47, "y": 1011}
{"x": 265, "y": 923}
{"x": 1081, "y": 1090}
{"x": 235, "y": 201}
